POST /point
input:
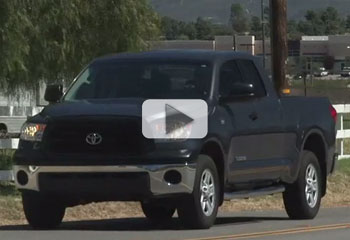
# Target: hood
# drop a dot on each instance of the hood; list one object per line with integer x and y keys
{"x": 105, "y": 107}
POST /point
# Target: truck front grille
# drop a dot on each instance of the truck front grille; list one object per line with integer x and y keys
{"x": 121, "y": 136}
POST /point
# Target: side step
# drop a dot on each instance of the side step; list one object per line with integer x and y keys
{"x": 254, "y": 193}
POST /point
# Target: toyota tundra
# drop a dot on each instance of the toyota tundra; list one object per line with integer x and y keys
{"x": 87, "y": 145}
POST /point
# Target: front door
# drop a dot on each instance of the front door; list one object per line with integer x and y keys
{"x": 241, "y": 111}
{"x": 257, "y": 142}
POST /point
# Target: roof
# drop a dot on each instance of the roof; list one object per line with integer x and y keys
{"x": 314, "y": 38}
{"x": 203, "y": 55}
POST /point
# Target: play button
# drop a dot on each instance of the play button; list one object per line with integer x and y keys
{"x": 174, "y": 119}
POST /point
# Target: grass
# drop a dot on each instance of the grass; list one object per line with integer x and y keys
{"x": 11, "y": 212}
{"x": 8, "y": 189}
{"x": 321, "y": 83}
{"x": 344, "y": 167}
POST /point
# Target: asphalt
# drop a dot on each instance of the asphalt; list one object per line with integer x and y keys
{"x": 331, "y": 224}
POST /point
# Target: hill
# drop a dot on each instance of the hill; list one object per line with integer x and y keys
{"x": 219, "y": 10}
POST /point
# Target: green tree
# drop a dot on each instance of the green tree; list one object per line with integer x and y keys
{"x": 332, "y": 21}
{"x": 256, "y": 27}
{"x": 51, "y": 40}
{"x": 173, "y": 29}
{"x": 109, "y": 27}
{"x": 239, "y": 19}
{"x": 323, "y": 22}
{"x": 221, "y": 29}
{"x": 204, "y": 29}
{"x": 170, "y": 28}
{"x": 293, "y": 31}
{"x": 348, "y": 23}
{"x": 267, "y": 21}
{"x": 313, "y": 24}
{"x": 13, "y": 43}
{"x": 256, "y": 24}
{"x": 190, "y": 30}
{"x": 201, "y": 29}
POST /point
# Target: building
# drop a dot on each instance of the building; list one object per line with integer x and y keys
{"x": 314, "y": 46}
{"x": 317, "y": 48}
{"x": 339, "y": 48}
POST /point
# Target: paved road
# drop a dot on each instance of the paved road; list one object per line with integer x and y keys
{"x": 330, "y": 224}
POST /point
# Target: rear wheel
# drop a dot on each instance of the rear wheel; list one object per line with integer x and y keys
{"x": 302, "y": 199}
{"x": 157, "y": 212}
{"x": 42, "y": 212}
{"x": 199, "y": 210}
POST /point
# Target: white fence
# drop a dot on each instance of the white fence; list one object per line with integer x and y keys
{"x": 6, "y": 175}
{"x": 10, "y": 143}
{"x": 342, "y": 134}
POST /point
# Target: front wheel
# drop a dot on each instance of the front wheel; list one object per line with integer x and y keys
{"x": 42, "y": 212}
{"x": 199, "y": 210}
{"x": 302, "y": 199}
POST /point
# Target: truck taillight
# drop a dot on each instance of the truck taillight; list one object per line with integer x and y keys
{"x": 333, "y": 113}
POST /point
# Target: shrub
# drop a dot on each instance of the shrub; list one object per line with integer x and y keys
{"x": 6, "y": 159}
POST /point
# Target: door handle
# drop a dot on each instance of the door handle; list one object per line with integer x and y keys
{"x": 253, "y": 116}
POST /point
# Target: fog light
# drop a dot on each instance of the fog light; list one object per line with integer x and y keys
{"x": 172, "y": 177}
{"x": 22, "y": 177}
{"x": 33, "y": 169}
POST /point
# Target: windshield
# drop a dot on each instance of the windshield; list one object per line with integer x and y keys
{"x": 142, "y": 80}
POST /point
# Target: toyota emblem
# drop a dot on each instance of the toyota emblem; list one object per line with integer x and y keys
{"x": 93, "y": 138}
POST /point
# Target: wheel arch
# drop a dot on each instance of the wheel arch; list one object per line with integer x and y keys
{"x": 314, "y": 141}
{"x": 214, "y": 149}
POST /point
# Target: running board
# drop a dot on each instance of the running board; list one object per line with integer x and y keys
{"x": 254, "y": 193}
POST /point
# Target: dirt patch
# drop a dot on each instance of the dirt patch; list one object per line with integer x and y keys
{"x": 11, "y": 212}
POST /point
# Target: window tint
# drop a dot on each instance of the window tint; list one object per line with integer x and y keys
{"x": 252, "y": 76}
{"x": 229, "y": 75}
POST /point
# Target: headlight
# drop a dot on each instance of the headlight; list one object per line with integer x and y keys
{"x": 32, "y": 132}
{"x": 180, "y": 133}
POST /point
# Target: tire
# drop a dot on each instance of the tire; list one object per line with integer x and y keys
{"x": 190, "y": 211}
{"x": 157, "y": 212}
{"x": 302, "y": 200}
{"x": 41, "y": 211}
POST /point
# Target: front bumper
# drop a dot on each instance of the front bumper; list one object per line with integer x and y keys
{"x": 155, "y": 177}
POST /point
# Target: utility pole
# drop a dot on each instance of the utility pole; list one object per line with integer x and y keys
{"x": 263, "y": 32}
{"x": 279, "y": 44}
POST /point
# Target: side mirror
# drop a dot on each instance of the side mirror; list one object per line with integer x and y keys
{"x": 53, "y": 93}
{"x": 239, "y": 90}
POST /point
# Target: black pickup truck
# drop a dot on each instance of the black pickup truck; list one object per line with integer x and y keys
{"x": 258, "y": 142}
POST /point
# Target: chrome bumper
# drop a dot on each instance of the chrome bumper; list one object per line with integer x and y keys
{"x": 156, "y": 173}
